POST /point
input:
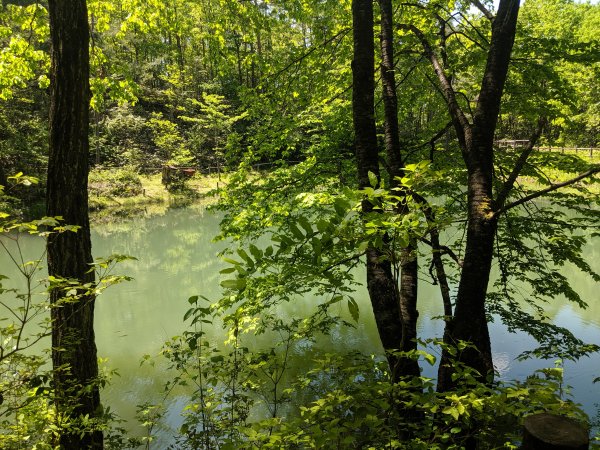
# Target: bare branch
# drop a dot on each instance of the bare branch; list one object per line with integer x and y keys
{"x": 466, "y": 36}
{"x": 459, "y": 119}
{"x": 431, "y": 142}
{"x": 441, "y": 276}
{"x": 476, "y": 29}
{"x": 549, "y": 189}
{"x": 328, "y": 41}
{"x": 443, "y": 250}
{"x": 486, "y": 12}
{"x": 510, "y": 181}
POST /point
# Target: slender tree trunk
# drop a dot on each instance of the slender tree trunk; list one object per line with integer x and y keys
{"x": 180, "y": 53}
{"x": 381, "y": 285}
{"x": 409, "y": 264}
{"x": 388, "y": 81}
{"x": 470, "y": 322}
{"x": 69, "y": 254}
{"x": 3, "y": 179}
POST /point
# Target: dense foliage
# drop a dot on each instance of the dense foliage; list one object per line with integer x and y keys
{"x": 237, "y": 87}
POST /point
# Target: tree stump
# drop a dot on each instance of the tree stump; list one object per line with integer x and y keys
{"x": 551, "y": 432}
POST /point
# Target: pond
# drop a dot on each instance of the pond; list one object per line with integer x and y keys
{"x": 177, "y": 259}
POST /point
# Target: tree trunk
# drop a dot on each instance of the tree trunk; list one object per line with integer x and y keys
{"x": 552, "y": 432}
{"x": 409, "y": 264}
{"x": 388, "y": 81}
{"x": 69, "y": 254}
{"x": 381, "y": 285}
{"x": 3, "y": 179}
{"x": 469, "y": 322}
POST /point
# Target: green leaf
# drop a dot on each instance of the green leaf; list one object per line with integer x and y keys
{"x": 317, "y": 247}
{"x": 304, "y": 223}
{"x": 362, "y": 247}
{"x": 296, "y": 231}
{"x": 373, "y": 180}
{"x": 237, "y": 284}
{"x": 322, "y": 225}
{"x": 429, "y": 358}
{"x": 245, "y": 256}
{"x": 353, "y": 308}
{"x": 452, "y": 411}
{"x": 231, "y": 261}
{"x": 336, "y": 299}
{"x": 187, "y": 314}
{"x": 256, "y": 252}
{"x": 341, "y": 206}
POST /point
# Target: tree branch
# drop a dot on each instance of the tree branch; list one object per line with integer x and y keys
{"x": 476, "y": 29}
{"x": 481, "y": 7}
{"x": 459, "y": 119}
{"x": 549, "y": 189}
{"x": 328, "y": 41}
{"x": 496, "y": 70}
{"x": 510, "y": 181}
{"x": 466, "y": 36}
{"x": 443, "y": 250}
{"x": 431, "y": 142}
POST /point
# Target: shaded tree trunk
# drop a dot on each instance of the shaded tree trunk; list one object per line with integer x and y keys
{"x": 69, "y": 254}
{"x": 3, "y": 179}
{"x": 408, "y": 257}
{"x": 469, "y": 322}
{"x": 381, "y": 284}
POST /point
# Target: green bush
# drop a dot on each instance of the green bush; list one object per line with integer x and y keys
{"x": 123, "y": 182}
{"x": 294, "y": 396}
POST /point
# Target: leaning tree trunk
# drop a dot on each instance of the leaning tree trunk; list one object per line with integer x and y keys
{"x": 69, "y": 253}
{"x": 470, "y": 322}
{"x": 408, "y": 255}
{"x": 381, "y": 284}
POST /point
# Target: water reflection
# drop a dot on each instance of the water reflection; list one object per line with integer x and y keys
{"x": 177, "y": 259}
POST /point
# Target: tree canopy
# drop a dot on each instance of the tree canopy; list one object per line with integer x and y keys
{"x": 355, "y": 135}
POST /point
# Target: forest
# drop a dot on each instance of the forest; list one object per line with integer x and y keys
{"x": 299, "y": 224}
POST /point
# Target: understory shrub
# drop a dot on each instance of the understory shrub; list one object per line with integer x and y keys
{"x": 124, "y": 182}
{"x": 294, "y": 396}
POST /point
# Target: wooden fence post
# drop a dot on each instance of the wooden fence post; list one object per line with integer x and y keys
{"x": 552, "y": 432}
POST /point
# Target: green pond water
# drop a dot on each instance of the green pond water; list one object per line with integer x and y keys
{"x": 177, "y": 259}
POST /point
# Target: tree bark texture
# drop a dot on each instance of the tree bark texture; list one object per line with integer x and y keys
{"x": 69, "y": 254}
{"x": 469, "y": 322}
{"x": 553, "y": 432}
{"x": 382, "y": 287}
{"x": 408, "y": 257}
{"x": 388, "y": 81}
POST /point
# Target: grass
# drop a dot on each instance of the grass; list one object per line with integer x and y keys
{"x": 155, "y": 198}
{"x": 555, "y": 174}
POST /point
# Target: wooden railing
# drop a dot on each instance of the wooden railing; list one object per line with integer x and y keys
{"x": 518, "y": 143}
